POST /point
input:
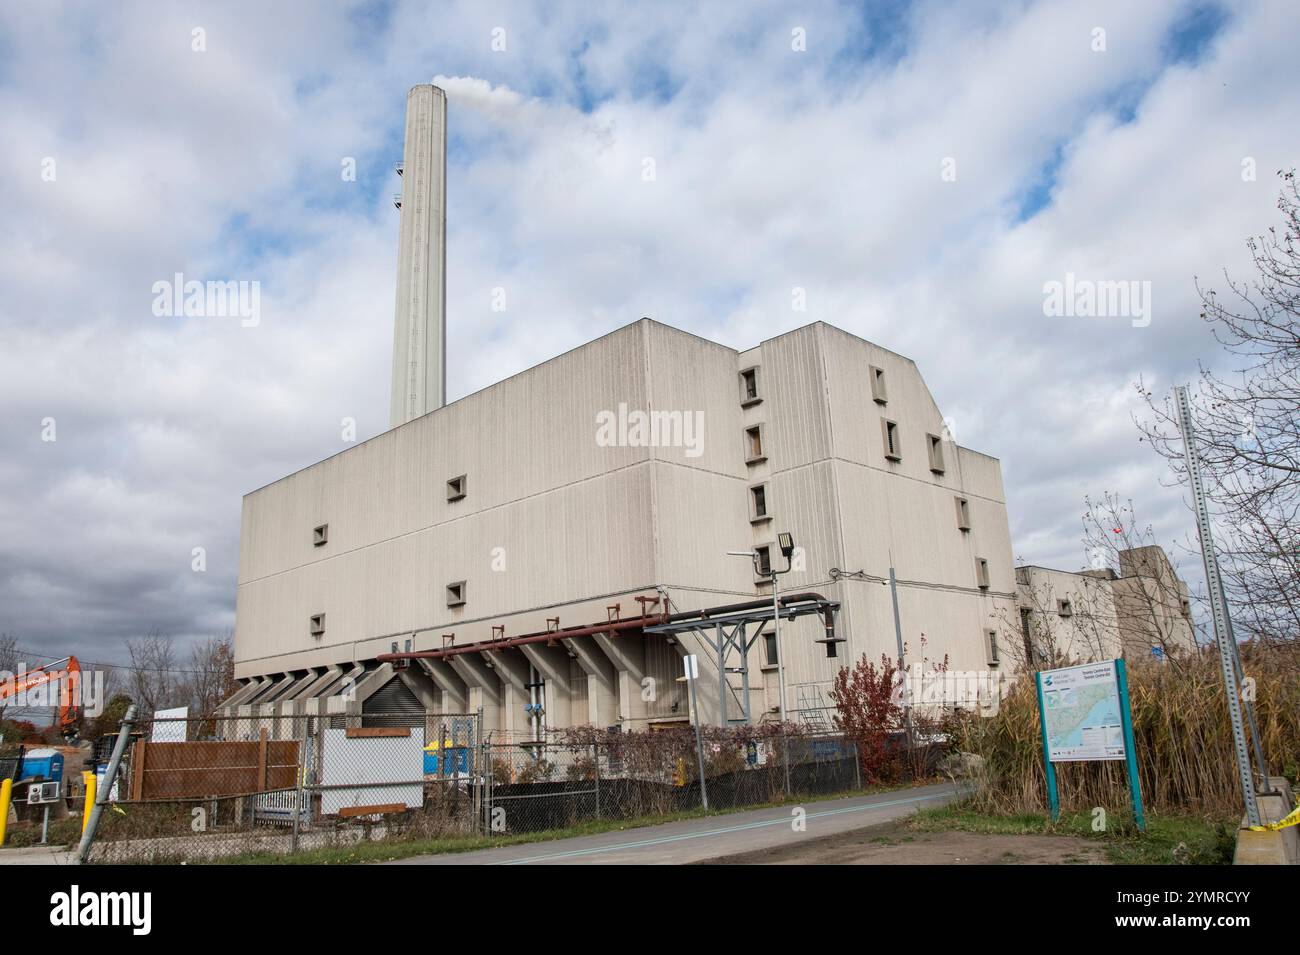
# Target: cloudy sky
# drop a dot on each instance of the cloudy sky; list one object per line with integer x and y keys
{"x": 921, "y": 171}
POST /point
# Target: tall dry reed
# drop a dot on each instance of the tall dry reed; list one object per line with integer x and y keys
{"x": 1182, "y": 734}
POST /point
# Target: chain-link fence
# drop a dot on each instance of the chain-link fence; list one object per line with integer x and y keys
{"x": 211, "y": 789}
{"x": 218, "y": 788}
{"x": 565, "y": 781}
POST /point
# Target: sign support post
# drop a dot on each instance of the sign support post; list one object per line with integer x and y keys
{"x": 1126, "y": 717}
{"x": 1053, "y": 801}
{"x": 1084, "y": 715}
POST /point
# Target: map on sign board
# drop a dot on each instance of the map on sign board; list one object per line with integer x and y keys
{"x": 1081, "y": 713}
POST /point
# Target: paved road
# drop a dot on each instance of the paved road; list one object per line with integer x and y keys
{"x": 697, "y": 840}
{"x": 37, "y": 855}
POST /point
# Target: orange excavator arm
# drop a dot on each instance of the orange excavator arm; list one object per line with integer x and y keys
{"x": 68, "y": 674}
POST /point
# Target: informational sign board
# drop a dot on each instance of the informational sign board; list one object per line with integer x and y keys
{"x": 169, "y": 725}
{"x": 366, "y": 762}
{"x": 1083, "y": 713}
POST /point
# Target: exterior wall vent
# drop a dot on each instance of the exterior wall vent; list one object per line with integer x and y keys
{"x": 936, "y": 453}
{"x": 889, "y": 435}
{"x": 963, "y": 514}
{"x": 878, "y": 393}
{"x": 991, "y": 647}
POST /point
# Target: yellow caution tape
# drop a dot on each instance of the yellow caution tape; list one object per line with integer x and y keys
{"x": 1291, "y": 819}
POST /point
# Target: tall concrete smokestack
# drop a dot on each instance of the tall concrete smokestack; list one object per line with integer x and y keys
{"x": 420, "y": 330}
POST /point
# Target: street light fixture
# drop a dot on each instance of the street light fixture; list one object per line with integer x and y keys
{"x": 785, "y": 544}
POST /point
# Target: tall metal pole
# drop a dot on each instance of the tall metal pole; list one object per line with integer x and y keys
{"x": 692, "y": 672}
{"x": 1266, "y": 784}
{"x": 780, "y": 676}
{"x": 1223, "y": 635}
{"x": 103, "y": 792}
{"x": 902, "y": 672}
{"x": 776, "y": 639}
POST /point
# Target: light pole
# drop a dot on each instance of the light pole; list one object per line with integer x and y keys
{"x": 837, "y": 574}
{"x": 784, "y": 543}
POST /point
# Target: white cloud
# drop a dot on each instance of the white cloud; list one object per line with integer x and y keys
{"x": 774, "y": 168}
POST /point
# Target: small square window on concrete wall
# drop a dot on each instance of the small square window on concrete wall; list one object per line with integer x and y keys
{"x": 320, "y": 534}
{"x": 749, "y": 394}
{"x": 982, "y": 573}
{"x": 456, "y": 594}
{"x": 456, "y": 488}
{"x": 963, "y": 514}
{"x": 754, "y": 451}
{"x": 316, "y": 624}
{"x": 892, "y": 442}
{"x": 758, "y": 505}
{"x": 878, "y": 393}
{"x": 936, "y": 453}
{"x": 991, "y": 647}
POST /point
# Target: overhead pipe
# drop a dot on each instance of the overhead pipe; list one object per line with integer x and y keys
{"x": 634, "y": 623}
{"x": 543, "y": 636}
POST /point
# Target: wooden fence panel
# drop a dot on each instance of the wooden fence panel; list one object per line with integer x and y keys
{"x": 212, "y": 769}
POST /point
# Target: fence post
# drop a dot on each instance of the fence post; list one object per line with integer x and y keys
{"x": 297, "y": 782}
{"x": 261, "y": 759}
{"x": 88, "y": 800}
{"x": 857, "y": 764}
{"x": 101, "y": 797}
{"x": 595, "y": 761}
{"x": 489, "y": 775}
{"x": 6, "y": 795}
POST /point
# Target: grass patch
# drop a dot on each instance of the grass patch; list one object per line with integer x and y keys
{"x": 381, "y": 851}
{"x": 1169, "y": 840}
{"x": 63, "y": 833}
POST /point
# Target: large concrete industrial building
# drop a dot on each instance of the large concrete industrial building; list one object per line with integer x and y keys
{"x": 549, "y": 548}
{"x": 538, "y": 503}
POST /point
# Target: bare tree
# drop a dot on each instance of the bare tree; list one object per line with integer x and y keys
{"x": 1248, "y": 431}
{"x": 1128, "y": 601}
{"x": 1050, "y": 639}
{"x": 8, "y": 660}
{"x": 153, "y": 673}
{"x": 1152, "y": 606}
{"x": 211, "y": 676}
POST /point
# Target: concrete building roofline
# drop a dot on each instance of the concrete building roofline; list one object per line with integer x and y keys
{"x": 643, "y": 321}
{"x": 1053, "y": 570}
{"x": 822, "y": 323}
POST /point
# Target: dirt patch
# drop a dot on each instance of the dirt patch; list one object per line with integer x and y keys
{"x": 894, "y": 844}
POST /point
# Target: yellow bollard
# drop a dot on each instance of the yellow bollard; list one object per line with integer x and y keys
{"x": 6, "y": 793}
{"x": 91, "y": 780}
